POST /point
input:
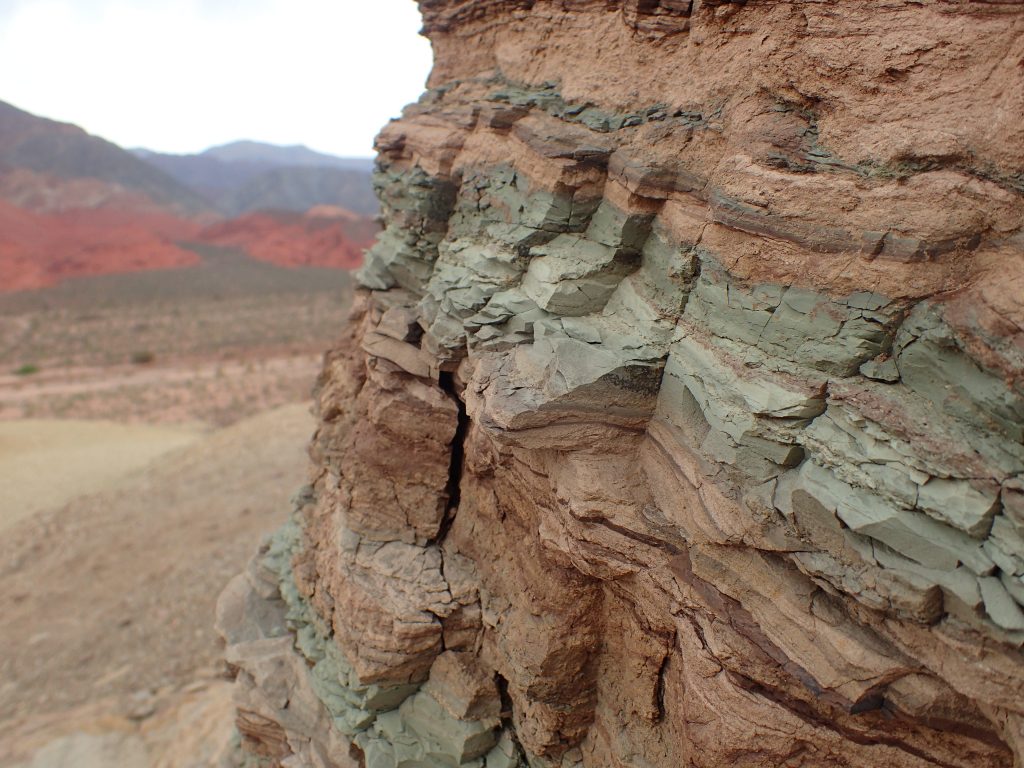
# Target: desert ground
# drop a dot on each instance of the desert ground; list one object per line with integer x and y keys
{"x": 152, "y": 429}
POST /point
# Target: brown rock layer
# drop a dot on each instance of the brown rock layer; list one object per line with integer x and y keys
{"x": 681, "y": 421}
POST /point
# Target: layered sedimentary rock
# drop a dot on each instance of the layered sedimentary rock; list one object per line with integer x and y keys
{"x": 681, "y": 418}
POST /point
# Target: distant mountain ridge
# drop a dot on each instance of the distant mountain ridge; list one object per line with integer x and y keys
{"x": 61, "y": 151}
{"x": 48, "y": 165}
{"x": 245, "y": 176}
{"x": 73, "y": 204}
{"x": 276, "y": 155}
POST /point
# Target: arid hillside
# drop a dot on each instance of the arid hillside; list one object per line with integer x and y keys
{"x": 38, "y": 249}
{"x": 72, "y": 204}
{"x": 43, "y": 164}
{"x": 324, "y": 236}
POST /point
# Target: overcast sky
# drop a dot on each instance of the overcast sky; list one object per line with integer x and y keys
{"x": 184, "y": 75}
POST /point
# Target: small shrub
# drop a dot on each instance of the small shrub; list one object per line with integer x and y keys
{"x": 142, "y": 357}
{"x": 26, "y": 370}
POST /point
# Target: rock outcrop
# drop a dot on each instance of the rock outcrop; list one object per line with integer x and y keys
{"x": 681, "y": 418}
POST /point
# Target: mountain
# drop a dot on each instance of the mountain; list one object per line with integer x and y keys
{"x": 278, "y": 156}
{"x": 72, "y": 204}
{"x": 206, "y": 174}
{"x": 246, "y": 176}
{"x": 71, "y": 168}
{"x": 300, "y": 188}
{"x": 75, "y": 204}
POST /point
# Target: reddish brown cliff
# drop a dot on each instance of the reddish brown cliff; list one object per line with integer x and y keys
{"x": 681, "y": 419}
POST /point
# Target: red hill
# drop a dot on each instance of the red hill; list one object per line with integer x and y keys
{"x": 323, "y": 237}
{"x": 38, "y": 249}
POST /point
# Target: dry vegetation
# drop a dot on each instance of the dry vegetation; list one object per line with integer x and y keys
{"x": 214, "y": 343}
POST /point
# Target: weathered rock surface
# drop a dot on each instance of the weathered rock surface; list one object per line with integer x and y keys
{"x": 681, "y": 420}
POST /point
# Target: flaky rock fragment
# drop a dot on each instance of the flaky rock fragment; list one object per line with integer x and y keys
{"x": 681, "y": 418}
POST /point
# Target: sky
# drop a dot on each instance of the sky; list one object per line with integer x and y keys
{"x": 184, "y": 75}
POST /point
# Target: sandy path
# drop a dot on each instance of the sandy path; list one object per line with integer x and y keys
{"x": 109, "y": 600}
{"x": 44, "y": 463}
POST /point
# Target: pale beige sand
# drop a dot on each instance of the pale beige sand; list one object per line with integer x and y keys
{"x": 45, "y": 463}
{"x": 107, "y": 647}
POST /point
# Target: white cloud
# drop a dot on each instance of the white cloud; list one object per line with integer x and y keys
{"x": 182, "y": 75}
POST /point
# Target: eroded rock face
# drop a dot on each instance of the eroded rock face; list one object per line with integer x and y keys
{"x": 681, "y": 420}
